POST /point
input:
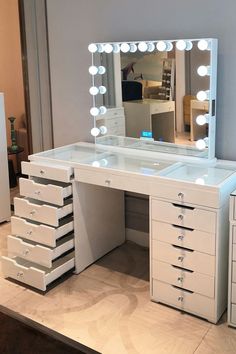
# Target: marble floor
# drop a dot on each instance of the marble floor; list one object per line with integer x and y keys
{"x": 107, "y": 308}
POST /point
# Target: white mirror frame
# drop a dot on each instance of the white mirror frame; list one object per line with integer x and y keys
{"x": 210, "y": 44}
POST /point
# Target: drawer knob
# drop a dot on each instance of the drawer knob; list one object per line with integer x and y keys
{"x": 32, "y": 212}
{"x": 25, "y": 252}
{"x": 181, "y": 195}
{"x": 42, "y": 172}
{"x": 180, "y": 237}
{"x": 37, "y": 192}
{"x": 20, "y": 274}
{"x": 181, "y": 258}
{"x": 181, "y": 298}
{"x": 29, "y": 233}
{"x": 180, "y": 217}
{"x": 107, "y": 182}
{"x": 180, "y": 279}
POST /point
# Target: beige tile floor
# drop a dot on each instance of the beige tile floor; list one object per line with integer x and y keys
{"x": 107, "y": 308}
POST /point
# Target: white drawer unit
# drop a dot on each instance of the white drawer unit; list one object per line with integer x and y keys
{"x": 44, "y": 190}
{"x": 35, "y": 275}
{"x": 43, "y": 234}
{"x": 39, "y": 211}
{"x": 40, "y": 247}
{"x": 232, "y": 263}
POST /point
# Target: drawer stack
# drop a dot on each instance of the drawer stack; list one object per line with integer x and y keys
{"x": 113, "y": 120}
{"x": 41, "y": 244}
{"x": 232, "y": 263}
{"x": 183, "y": 257}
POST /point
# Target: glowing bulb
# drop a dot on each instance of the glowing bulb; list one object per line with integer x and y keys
{"x": 184, "y": 45}
{"x": 93, "y": 70}
{"x": 95, "y": 131}
{"x": 133, "y": 47}
{"x": 200, "y": 181}
{"x": 116, "y": 48}
{"x": 161, "y": 46}
{"x": 108, "y": 48}
{"x": 203, "y": 70}
{"x": 103, "y": 110}
{"x": 103, "y": 130}
{"x": 201, "y": 119}
{"x": 93, "y": 90}
{"x": 150, "y": 47}
{"x": 125, "y": 47}
{"x": 101, "y": 48}
{"x": 96, "y": 164}
{"x": 142, "y": 46}
{"x": 200, "y": 144}
{"x": 101, "y": 70}
{"x": 94, "y": 111}
{"x": 203, "y": 95}
{"x": 92, "y": 48}
{"x": 203, "y": 44}
{"x": 102, "y": 90}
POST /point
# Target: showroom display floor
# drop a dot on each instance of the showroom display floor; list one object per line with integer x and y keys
{"x": 107, "y": 308}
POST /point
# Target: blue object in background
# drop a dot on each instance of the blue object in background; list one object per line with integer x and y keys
{"x": 145, "y": 134}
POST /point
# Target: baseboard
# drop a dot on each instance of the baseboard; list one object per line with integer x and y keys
{"x": 139, "y": 237}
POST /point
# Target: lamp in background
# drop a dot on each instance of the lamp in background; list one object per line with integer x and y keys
{"x": 14, "y": 146}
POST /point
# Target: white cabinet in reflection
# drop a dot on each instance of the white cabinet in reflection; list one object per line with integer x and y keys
{"x": 113, "y": 120}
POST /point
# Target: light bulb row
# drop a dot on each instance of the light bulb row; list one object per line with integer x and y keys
{"x": 94, "y": 90}
{"x": 96, "y": 131}
{"x": 161, "y": 46}
{"x": 201, "y": 144}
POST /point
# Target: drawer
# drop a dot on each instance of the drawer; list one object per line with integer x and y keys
{"x": 234, "y": 234}
{"x": 38, "y": 211}
{"x": 194, "y": 239}
{"x": 234, "y": 252}
{"x": 35, "y": 275}
{"x": 36, "y": 253}
{"x": 162, "y": 107}
{"x": 44, "y": 234}
{"x": 233, "y": 314}
{"x": 197, "y": 304}
{"x": 182, "y": 193}
{"x": 44, "y": 190}
{"x": 49, "y": 171}
{"x": 234, "y": 272}
{"x": 192, "y": 260}
{"x": 175, "y": 214}
{"x": 233, "y": 294}
{"x": 110, "y": 180}
{"x": 196, "y": 282}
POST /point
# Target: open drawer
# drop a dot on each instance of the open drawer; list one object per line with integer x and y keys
{"x": 38, "y": 211}
{"x": 36, "y": 253}
{"x": 49, "y": 171}
{"x": 44, "y": 234}
{"x": 43, "y": 189}
{"x": 36, "y": 276}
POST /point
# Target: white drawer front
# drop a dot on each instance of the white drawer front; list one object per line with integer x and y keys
{"x": 194, "y": 239}
{"x": 37, "y": 253}
{"x": 233, "y": 314}
{"x": 36, "y": 276}
{"x": 44, "y": 191}
{"x": 55, "y": 172}
{"x": 234, "y": 272}
{"x": 46, "y": 235}
{"x": 233, "y": 299}
{"x": 196, "y": 282}
{"x": 37, "y": 211}
{"x": 195, "y": 261}
{"x": 195, "y": 218}
{"x": 191, "y": 302}
{"x": 183, "y": 194}
{"x": 234, "y": 234}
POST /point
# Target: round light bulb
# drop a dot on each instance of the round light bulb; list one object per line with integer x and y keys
{"x": 150, "y": 47}
{"x": 202, "y": 95}
{"x": 101, "y": 48}
{"x": 108, "y": 48}
{"x": 142, "y": 46}
{"x": 125, "y": 47}
{"x": 133, "y": 47}
{"x": 116, "y": 48}
{"x": 181, "y": 44}
{"x": 200, "y": 181}
{"x": 96, "y": 163}
{"x": 94, "y": 111}
{"x": 104, "y": 162}
{"x": 93, "y": 90}
{"x": 102, "y": 90}
{"x": 161, "y": 46}
{"x": 200, "y": 144}
{"x": 189, "y": 45}
{"x": 92, "y": 48}
{"x": 203, "y": 70}
{"x": 95, "y": 131}
{"x": 169, "y": 46}
{"x": 93, "y": 70}
{"x": 103, "y": 130}
{"x": 201, "y": 119}
{"x": 203, "y": 44}
{"x": 101, "y": 70}
{"x": 103, "y": 110}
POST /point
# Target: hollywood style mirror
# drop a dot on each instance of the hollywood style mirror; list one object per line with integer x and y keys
{"x": 155, "y": 95}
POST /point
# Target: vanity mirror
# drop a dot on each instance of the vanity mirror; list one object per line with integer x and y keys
{"x": 155, "y": 95}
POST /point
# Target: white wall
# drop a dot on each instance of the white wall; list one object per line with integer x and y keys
{"x": 73, "y": 24}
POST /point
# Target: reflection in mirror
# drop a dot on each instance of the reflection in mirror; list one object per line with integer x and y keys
{"x": 158, "y": 92}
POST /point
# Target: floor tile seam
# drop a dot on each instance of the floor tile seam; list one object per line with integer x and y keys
{"x": 203, "y": 337}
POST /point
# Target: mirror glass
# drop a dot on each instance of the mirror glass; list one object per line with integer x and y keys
{"x": 157, "y": 94}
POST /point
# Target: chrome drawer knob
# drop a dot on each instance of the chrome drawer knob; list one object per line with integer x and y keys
{"x": 180, "y": 258}
{"x": 19, "y": 274}
{"x": 180, "y": 217}
{"x": 180, "y": 237}
{"x": 42, "y": 172}
{"x": 37, "y": 192}
{"x": 180, "y": 195}
{"x": 32, "y": 212}
{"x": 180, "y": 279}
{"x": 181, "y": 298}
{"x": 25, "y": 252}
{"x": 107, "y": 182}
{"x": 29, "y": 233}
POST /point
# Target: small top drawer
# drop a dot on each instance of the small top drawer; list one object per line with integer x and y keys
{"x": 55, "y": 172}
